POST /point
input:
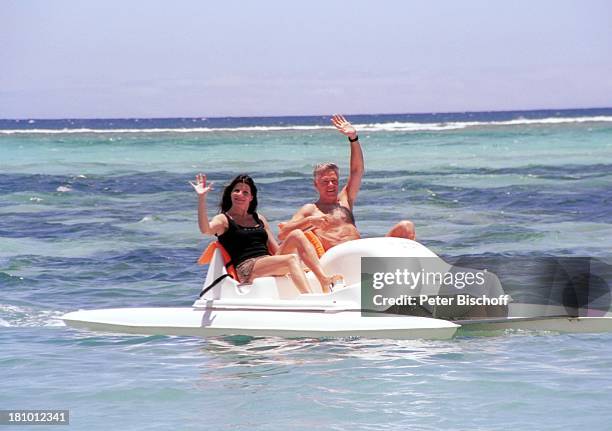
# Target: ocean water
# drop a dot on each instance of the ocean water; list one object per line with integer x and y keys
{"x": 98, "y": 213}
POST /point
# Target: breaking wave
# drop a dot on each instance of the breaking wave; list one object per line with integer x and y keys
{"x": 395, "y": 126}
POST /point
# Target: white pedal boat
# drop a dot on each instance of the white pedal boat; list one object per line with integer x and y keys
{"x": 272, "y": 306}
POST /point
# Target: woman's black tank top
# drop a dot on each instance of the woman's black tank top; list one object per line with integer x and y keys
{"x": 242, "y": 242}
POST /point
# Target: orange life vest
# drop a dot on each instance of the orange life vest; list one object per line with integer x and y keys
{"x": 316, "y": 242}
{"x": 207, "y": 255}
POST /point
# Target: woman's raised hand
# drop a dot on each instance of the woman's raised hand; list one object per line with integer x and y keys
{"x": 200, "y": 185}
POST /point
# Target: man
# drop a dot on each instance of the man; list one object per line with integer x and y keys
{"x": 331, "y": 217}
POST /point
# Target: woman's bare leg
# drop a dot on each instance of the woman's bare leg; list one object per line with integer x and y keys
{"x": 281, "y": 265}
{"x": 296, "y": 241}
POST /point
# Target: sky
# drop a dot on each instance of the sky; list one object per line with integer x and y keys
{"x": 127, "y": 59}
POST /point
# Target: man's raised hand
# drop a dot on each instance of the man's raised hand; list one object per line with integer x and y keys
{"x": 344, "y": 126}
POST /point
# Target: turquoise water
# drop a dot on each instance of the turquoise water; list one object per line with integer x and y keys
{"x": 101, "y": 218}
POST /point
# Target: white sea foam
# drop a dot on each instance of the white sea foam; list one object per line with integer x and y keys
{"x": 63, "y": 189}
{"x": 27, "y": 317}
{"x": 395, "y": 126}
{"x": 147, "y": 219}
{"x": 408, "y": 127}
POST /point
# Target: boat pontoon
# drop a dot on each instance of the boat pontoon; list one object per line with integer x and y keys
{"x": 272, "y": 306}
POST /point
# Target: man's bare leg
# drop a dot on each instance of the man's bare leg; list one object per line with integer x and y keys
{"x": 404, "y": 229}
{"x": 296, "y": 241}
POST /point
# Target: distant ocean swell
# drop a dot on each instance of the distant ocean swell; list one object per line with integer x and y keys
{"x": 560, "y": 193}
{"x": 394, "y": 126}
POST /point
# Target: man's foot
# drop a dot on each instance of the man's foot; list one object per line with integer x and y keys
{"x": 403, "y": 229}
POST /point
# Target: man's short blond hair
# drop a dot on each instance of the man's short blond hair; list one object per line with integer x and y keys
{"x": 322, "y": 167}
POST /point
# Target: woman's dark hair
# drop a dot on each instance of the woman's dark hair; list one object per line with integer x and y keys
{"x": 226, "y": 199}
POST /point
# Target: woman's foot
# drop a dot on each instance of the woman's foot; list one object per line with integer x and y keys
{"x": 328, "y": 282}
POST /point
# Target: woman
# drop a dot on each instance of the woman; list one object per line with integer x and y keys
{"x": 249, "y": 241}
